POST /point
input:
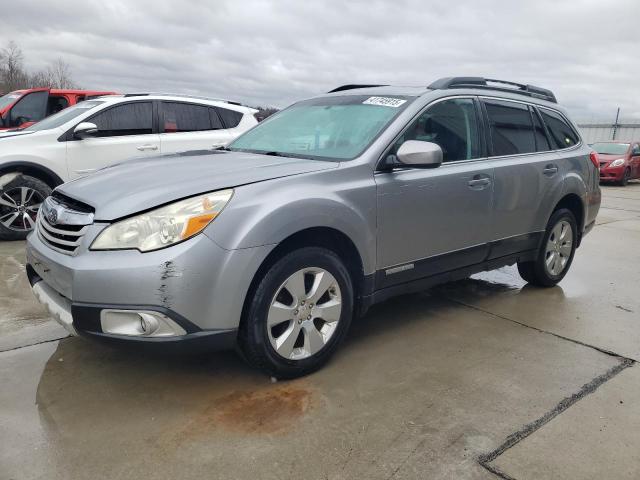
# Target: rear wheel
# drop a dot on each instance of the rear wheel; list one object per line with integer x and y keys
{"x": 626, "y": 176}
{"x": 556, "y": 252}
{"x": 300, "y": 312}
{"x": 20, "y": 200}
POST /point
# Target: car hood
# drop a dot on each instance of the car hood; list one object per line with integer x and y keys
{"x": 142, "y": 184}
{"x": 605, "y": 157}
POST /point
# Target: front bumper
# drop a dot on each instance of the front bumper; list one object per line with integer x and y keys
{"x": 611, "y": 174}
{"x": 84, "y": 319}
{"x": 197, "y": 284}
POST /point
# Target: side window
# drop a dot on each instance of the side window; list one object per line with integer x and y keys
{"x": 30, "y": 108}
{"x": 562, "y": 135}
{"x": 128, "y": 119}
{"x": 636, "y": 150}
{"x": 511, "y": 127}
{"x": 542, "y": 142}
{"x": 216, "y": 123}
{"x": 185, "y": 117}
{"x": 452, "y": 124}
{"x": 230, "y": 118}
{"x": 56, "y": 104}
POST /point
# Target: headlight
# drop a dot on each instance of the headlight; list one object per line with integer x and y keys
{"x": 163, "y": 226}
{"x": 617, "y": 162}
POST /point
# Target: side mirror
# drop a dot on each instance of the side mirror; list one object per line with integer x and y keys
{"x": 85, "y": 129}
{"x": 417, "y": 154}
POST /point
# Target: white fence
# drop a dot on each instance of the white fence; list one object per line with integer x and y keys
{"x": 598, "y": 132}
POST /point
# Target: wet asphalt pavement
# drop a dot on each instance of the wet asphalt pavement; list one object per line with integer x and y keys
{"x": 483, "y": 378}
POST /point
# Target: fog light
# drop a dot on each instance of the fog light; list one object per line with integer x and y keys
{"x": 148, "y": 323}
{"x": 139, "y": 323}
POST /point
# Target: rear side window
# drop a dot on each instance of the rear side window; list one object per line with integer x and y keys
{"x": 216, "y": 123}
{"x": 452, "y": 124}
{"x": 542, "y": 142}
{"x": 511, "y": 127}
{"x": 184, "y": 117}
{"x": 56, "y": 104}
{"x": 230, "y": 118}
{"x": 128, "y": 119}
{"x": 562, "y": 135}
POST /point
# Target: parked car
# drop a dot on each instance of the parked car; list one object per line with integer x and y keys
{"x": 99, "y": 132}
{"x": 275, "y": 243}
{"x": 22, "y": 108}
{"x": 619, "y": 161}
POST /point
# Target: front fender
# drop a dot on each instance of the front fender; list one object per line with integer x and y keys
{"x": 266, "y": 213}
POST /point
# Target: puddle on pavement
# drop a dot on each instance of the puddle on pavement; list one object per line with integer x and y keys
{"x": 271, "y": 410}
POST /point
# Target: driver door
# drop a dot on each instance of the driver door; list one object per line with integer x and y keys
{"x": 31, "y": 108}
{"x": 439, "y": 219}
{"x": 124, "y": 131}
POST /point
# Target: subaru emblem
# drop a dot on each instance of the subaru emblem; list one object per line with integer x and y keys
{"x": 52, "y": 216}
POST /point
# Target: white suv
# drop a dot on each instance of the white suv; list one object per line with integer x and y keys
{"x": 96, "y": 133}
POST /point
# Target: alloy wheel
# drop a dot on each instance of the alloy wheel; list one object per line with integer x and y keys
{"x": 19, "y": 208}
{"x": 304, "y": 313}
{"x": 559, "y": 248}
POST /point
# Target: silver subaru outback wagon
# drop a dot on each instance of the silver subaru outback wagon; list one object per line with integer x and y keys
{"x": 275, "y": 243}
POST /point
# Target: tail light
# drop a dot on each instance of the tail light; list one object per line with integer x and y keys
{"x": 593, "y": 156}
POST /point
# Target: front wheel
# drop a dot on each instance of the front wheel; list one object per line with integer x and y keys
{"x": 299, "y": 313}
{"x": 626, "y": 176}
{"x": 556, "y": 252}
{"x": 20, "y": 200}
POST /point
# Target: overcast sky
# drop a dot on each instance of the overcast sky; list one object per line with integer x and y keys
{"x": 278, "y": 51}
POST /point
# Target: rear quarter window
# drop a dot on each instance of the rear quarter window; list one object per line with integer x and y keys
{"x": 562, "y": 135}
{"x": 230, "y": 118}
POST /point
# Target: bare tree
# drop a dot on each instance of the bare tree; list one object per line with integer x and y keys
{"x": 12, "y": 74}
{"x": 57, "y": 75}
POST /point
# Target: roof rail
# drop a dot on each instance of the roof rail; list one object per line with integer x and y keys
{"x": 198, "y": 97}
{"x": 481, "y": 82}
{"x": 352, "y": 87}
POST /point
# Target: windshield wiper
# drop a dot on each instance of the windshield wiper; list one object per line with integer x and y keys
{"x": 275, "y": 154}
{"x": 226, "y": 149}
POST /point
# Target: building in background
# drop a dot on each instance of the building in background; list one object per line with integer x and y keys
{"x": 594, "y": 131}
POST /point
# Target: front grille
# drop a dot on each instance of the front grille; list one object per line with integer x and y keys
{"x": 63, "y": 238}
{"x": 62, "y": 227}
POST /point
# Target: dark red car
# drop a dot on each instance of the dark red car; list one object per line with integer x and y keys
{"x": 22, "y": 108}
{"x": 619, "y": 161}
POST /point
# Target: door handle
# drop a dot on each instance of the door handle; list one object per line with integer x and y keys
{"x": 479, "y": 182}
{"x": 550, "y": 170}
{"x": 142, "y": 148}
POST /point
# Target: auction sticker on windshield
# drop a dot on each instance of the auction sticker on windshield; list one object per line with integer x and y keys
{"x": 384, "y": 101}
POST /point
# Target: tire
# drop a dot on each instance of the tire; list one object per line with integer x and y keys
{"x": 626, "y": 176}
{"x": 545, "y": 271}
{"x": 19, "y": 202}
{"x": 298, "y": 340}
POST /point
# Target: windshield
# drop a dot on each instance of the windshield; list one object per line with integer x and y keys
{"x": 611, "y": 148}
{"x": 62, "y": 117}
{"x": 330, "y": 128}
{"x": 8, "y": 99}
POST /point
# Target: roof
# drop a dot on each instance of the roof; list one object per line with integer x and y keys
{"x": 179, "y": 98}
{"x": 458, "y": 85}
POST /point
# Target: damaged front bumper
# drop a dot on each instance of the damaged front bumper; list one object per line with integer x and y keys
{"x": 191, "y": 293}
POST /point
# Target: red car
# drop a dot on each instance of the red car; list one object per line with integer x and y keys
{"x": 22, "y": 108}
{"x": 619, "y": 161}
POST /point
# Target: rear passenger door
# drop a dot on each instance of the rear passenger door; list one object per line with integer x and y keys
{"x": 527, "y": 175}
{"x": 190, "y": 126}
